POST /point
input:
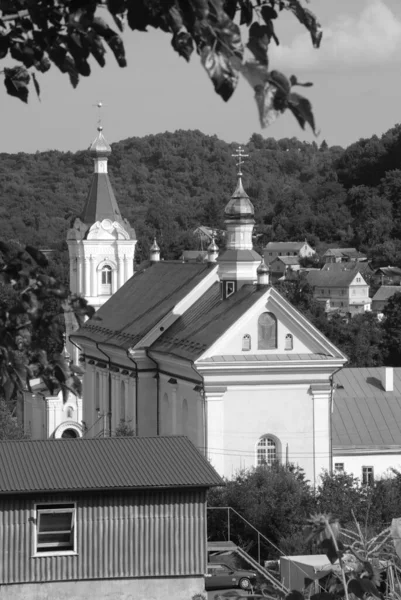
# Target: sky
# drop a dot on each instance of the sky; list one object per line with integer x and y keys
{"x": 356, "y": 93}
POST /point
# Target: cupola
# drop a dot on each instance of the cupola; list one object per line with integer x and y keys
{"x": 154, "y": 252}
{"x": 263, "y": 273}
{"x": 212, "y": 251}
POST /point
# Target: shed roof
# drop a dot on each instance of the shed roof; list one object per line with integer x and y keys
{"x": 28, "y": 466}
{"x": 385, "y": 292}
{"x": 364, "y": 414}
{"x": 287, "y": 260}
{"x": 388, "y": 271}
{"x": 142, "y": 302}
{"x": 334, "y": 275}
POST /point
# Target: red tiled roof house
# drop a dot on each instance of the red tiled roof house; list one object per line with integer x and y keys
{"x": 113, "y": 518}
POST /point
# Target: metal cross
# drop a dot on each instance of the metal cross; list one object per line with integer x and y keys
{"x": 239, "y": 154}
{"x": 99, "y": 106}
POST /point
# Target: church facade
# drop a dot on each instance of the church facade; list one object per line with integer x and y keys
{"x": 209, "y": 350}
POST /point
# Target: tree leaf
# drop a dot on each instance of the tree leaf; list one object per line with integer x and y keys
{"x": 182, "y": 43}
{"x": 36, "y": 85}
{"x": 294, "y": 595}
{"x": 246, "y": 12}
{"x": 354, "y": 586}
{"x": 16, "y": 81}
{"x": 307, "y": 18}
{"x": 220, "y": 71}
{"x": 369, "y": 587}
{"x": 37, "y": 256}
{"x": 301, "y": 108}
{"x": 258, "y": 42}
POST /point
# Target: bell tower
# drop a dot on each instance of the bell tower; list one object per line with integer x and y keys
{"x": 101, "y": 243}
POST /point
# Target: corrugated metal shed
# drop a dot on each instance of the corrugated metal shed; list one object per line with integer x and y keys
{"x": 364, "y": 414}
{"x": 28, "y": 466}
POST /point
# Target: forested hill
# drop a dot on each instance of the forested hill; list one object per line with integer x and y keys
{"x": 169, "y": 183}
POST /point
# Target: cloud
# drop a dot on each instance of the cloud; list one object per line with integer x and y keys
{"x": 372, "y": 38}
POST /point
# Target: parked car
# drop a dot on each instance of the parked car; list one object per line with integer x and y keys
{"x": 220, "y": 575}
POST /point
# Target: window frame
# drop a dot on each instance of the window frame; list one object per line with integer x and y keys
{"x": 370, "y": 479}
{"x": 269, "y": 438}
{"x": 55, "y": 550}
{"x": 108, "y": 272}
{"x": 264, "y": 341}
{"x": 339, "y": 467}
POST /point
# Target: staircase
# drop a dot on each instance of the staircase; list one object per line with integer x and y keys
{"x": 229, "y": 546}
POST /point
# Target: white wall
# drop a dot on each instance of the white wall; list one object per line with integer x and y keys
{"x": 381, "y": 463}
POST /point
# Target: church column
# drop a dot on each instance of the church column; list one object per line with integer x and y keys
{"x": 126, "y": 274}
{"x": 215, "y": 426}
{"x": 87, "y": 290}
{"x": 79, "y": 289}
{"x": 321, "y": 398}
{"x": 120, "y": 274}
{"x": 93, "y": 273}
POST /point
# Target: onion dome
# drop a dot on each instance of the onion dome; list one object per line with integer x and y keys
{"x": 100, "y": 148}
{"x": 240, "y": 206}
{"x": 212, "y": 251}
{"x": 263, "y": 268}
{"x": 154, "y": 252}
{"x": 263, "y": 273}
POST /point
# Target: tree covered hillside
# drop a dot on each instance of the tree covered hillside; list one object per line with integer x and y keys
{"x": 167, "y": 184}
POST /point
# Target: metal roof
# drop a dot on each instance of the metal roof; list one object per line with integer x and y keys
{"x": 334, "y": 275}
{"x": 364, "y": 414}
{"x": 386, "y": 291}
{"x": 142, "y": 302}
{"x": 28, "y": 466}
{"x": 287, "y": 260}
{"x": 101, "y": 202}
{"x": 282, "y": 246}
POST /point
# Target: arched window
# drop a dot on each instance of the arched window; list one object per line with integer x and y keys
{"x": 267, "y": 451}
{"x": 184, "y": 428}
{"x": 105, "y": 279}
{"x": 267, "y": 331}
{"x": 106, "y": 275}
{"x": 246, "y": 342}
{"x": 69, "y": 413}
{"x": 289, "y": 342}
{"x": 97, "y": 391}
{"x": 122, "y": 401}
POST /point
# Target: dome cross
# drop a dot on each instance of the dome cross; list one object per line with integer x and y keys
{"x": 240, "y": 155}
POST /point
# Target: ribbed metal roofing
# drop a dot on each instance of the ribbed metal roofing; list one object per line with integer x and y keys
{"x": 239, "y": 207}
{"x": 101, "y": 202}
{"x": 386, "y": 291}
{"x": 364, "y": 414}
{"x": 28, "y": 466}
{"x": 334, "y": 275}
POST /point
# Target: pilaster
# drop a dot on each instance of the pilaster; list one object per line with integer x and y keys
{"x": 321, "y": 399}
{"x": 214, "y": 398}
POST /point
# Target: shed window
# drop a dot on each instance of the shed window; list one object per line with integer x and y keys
{"x": 55, "y": 528}
{"x": 267, "y": 331}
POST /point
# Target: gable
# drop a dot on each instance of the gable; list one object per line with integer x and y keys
{"x": 294, "y": 335}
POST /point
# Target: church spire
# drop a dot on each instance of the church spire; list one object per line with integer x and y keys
{"x": 101, "y": 202}
{"x": 238, "y": 262}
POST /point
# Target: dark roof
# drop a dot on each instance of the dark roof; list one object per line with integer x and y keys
{"x": 334, "y": 275}
{"x": 142, "y": 302}
{"x": 364, "y": 414}
{"x": 202, "y": 324}
{"x": 388, "y": 271}
{"x": 101, "y": 202}
{"x": 287, "y": 260}
{"x": 28, "y": 466}
{"x": 231, "y": 255}
{"x": 342, "y": 252}
{"x": 385, "y": 292}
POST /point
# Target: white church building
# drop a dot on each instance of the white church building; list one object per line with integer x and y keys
{"x": 208, "y": 350}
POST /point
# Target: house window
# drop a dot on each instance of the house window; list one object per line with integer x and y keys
{"x": 267, "y": 331}
{"x": 358, "y": 280}
{"x": 339, "y": 467}
{"x": 55, "y": 528}
{"x": 246, "y": 342}
{"x": 367, "y": 476}
{"x": 266, "y": 451}
{"x": 322, "y": 291}
{"x": 289, "y": 342}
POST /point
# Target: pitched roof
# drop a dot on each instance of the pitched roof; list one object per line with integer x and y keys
{"x": 342, "y": 252}
{"x": 282, "y": 246}
{"x": 385, "y": 292}
{"x": 28, "y": 466}
{"x": 364, "y": 414}
{"x": 334, "y": 275}
{"x": 194, "y": 255}
{"x": 101, "y": 202}
{"x": 202, "y": 325}
{"x": 142, "y": 302}
{"x": 287, "y": 260}
{"x": 388, "y": 271}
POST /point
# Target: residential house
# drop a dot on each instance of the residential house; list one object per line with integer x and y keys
{"x": 367, "y": 421}
{"x": 388, "y": 276}
{"x": 281, "y": 266}
{"x": 382, "y": 295}
{"x": 275, "y": 249}
{"x": 342, "y": 287}
{"x": 340, "y": 255}
{"x": 201, "y": 348}
{"x": 114, "y": 519}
